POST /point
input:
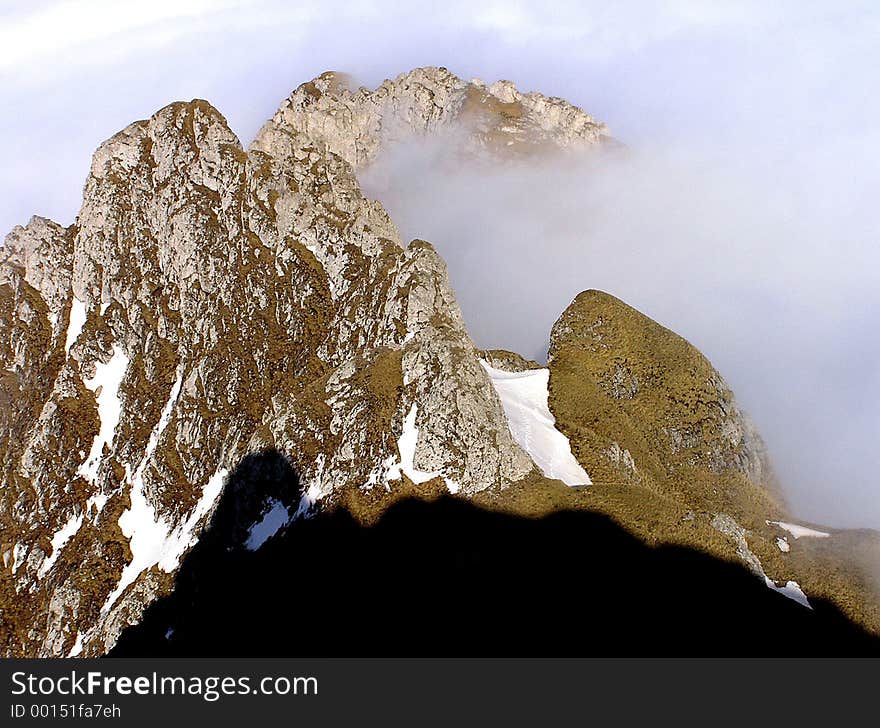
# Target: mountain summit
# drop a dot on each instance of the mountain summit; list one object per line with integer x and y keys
{"x": 212, "y": 303}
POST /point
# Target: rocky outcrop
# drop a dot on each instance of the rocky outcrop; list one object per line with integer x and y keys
{"x": 356, "y": 124}
{"x": 208, "y": 303}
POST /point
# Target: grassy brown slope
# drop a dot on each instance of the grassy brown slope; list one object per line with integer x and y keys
{"x": 667, "y": 448}
{"x": 832, "y": 569}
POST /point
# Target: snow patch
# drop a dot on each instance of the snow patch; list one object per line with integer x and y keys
{"x": 77, "y": 321}
{"x": 98, "y": 501}
{"x": 183, "y": 536}
{"x": 59, "y": 540}
{"x": 164, "y": 419}
{"x": 524, "y": 396}
{"x": 275, "y": 519}
{"x": 791, "y": 589}
{"x": 799, "y": 531}
{"x": 19, "y": 553}
{"x": 77, "y": 646}
{"x": 395, "y": 467}
{"x": 314, "y": 492}
{"x": 153, "y": 541}
{"x": 107, "y": 379}
{"x": 730, "y": 528}
{"x": 406, "y": 446}
{"x": 308, "y": 501}
{"x": 380, "y": 474}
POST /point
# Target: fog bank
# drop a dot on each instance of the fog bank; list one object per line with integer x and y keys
{"x": 769, "y": 271}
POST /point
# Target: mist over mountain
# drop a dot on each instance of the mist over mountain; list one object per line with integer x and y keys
{"x": 768, "y": 105}
{"x": 780, "y": 293}
{"x": 444, "y": 320}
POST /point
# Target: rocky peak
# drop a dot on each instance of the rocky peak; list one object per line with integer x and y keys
{"x": 357, "y": 124}
{"x": 211, "y": 302}
{"x": 39, "y": 254}
{"x": 660, "y": 398}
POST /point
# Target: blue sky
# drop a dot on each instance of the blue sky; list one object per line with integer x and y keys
{"x": 746, "y": 220}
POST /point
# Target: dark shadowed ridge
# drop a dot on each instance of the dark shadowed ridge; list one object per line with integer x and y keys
{"x": 449, "y": 578}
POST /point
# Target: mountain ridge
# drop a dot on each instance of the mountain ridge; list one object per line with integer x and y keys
{"x": 211, "y": 302}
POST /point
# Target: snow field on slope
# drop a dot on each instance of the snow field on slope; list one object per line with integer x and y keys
{"x": 77, "y": 321}
{"x": 152, "y": 540}
{"x": 273, "y": 521}
{"x": 524, "y": 396}
{"x": 107, "y": 379}
{"x": 59, "y": 540}
{"x": 799, "y": 531}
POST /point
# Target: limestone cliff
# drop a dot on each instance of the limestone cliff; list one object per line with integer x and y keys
{"x": 356, "y": 124}
{"x": 210, "y": 302}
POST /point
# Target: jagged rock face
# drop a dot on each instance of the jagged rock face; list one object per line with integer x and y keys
{"x": 33, "y": 294}
{"x": 643, "y": 405}
{"x": 357, "y": 124}
{"x": 212, "y": 302}
{"x": 508, "y": 361}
